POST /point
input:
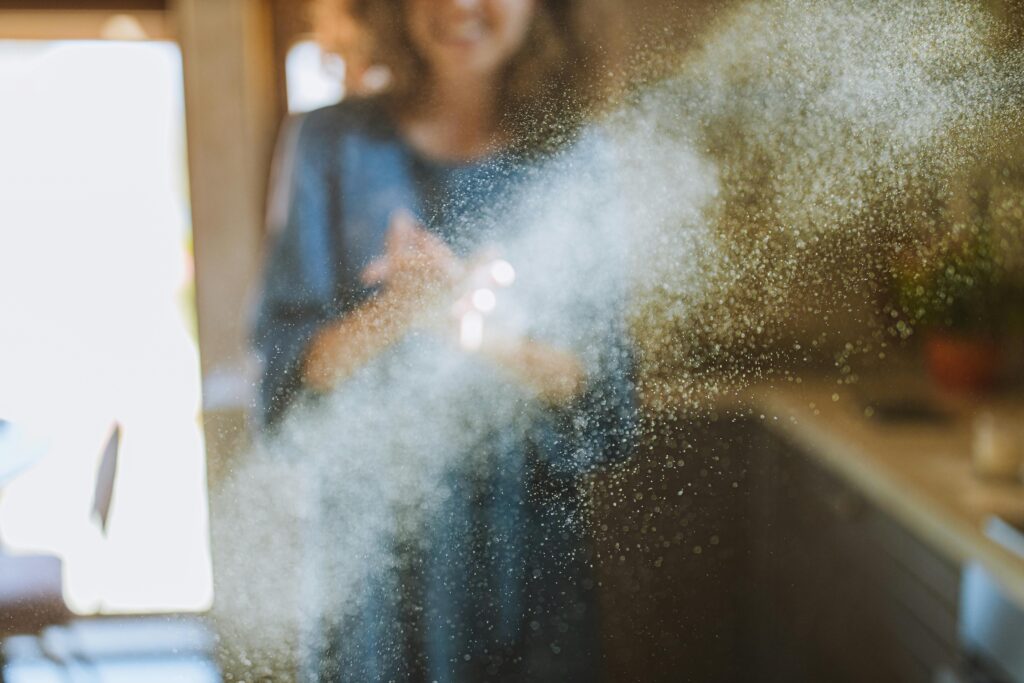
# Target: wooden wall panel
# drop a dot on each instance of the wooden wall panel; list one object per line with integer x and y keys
{"x": 113, "y": 5}
{"x": 78, "y": 24}
{"x": 233, "y": 110}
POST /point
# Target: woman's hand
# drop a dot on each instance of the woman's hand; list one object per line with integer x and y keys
{"x": 421, "y": 275}
{"x": 416, "y": 266}
{"x": 555, "y": 375}
{"x": 417, "y": 271}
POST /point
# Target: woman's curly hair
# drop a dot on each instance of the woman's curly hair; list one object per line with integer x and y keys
{"x": 562, "y": 75}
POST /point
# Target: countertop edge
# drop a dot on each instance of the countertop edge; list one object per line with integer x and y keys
{"x": 951, "y": 536}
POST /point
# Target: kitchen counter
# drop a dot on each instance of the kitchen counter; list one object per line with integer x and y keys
{"x": 917, "y": 472}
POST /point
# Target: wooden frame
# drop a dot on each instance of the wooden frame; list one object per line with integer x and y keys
{"x": 233, "y": 108}
{"x": 88, "y": 24}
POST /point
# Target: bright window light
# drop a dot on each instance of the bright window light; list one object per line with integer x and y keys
{"x": 313, "y": 77}
{"x": 97, "y": 320}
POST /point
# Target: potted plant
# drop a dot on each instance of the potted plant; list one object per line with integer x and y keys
{"x": 965, "y": 293}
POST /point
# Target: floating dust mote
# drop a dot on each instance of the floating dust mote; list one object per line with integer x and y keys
{"x": 752, "y": 201}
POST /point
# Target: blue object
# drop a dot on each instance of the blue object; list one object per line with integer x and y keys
{"x": 991, "y": 621}
{"x": 114, "y": 650}
{"x": 499, "y": 585}
{"x": 20, "y": 449}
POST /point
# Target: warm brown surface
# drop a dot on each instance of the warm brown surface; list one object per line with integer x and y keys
{"x": 116, "y": 5}
{"x": 918, "y": 473}
{"x": 30, "y": 593}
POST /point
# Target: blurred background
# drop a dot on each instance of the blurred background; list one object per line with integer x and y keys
{"x": 851, "y": 510}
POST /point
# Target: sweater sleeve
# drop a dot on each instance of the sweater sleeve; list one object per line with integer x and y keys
{"x": 599, "y": 427}
{"x": 588, "y": 314}
{"x": 298, "y": 292}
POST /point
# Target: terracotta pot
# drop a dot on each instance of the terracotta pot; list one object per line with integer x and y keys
{"x": 962, "y": 364}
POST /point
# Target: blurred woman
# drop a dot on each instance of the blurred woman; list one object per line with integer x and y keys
{"x": 379, "y": 246}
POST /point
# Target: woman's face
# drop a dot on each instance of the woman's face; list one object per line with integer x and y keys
{"x": 468, "y": 39}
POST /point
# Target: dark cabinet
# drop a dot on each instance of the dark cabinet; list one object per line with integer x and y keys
{"x": 725, "y": 554}
{"x": 672, "y": 541}
{"x": 845, "y": 593}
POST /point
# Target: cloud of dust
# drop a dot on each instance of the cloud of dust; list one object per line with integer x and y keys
{"x": 780, "y": 152}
